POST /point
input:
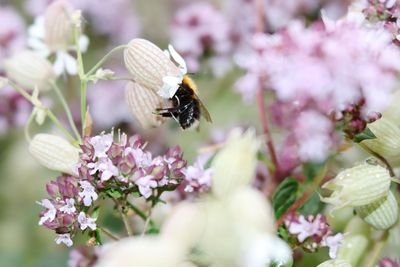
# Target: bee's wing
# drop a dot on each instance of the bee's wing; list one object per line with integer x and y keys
{"x": 204, "y": 111}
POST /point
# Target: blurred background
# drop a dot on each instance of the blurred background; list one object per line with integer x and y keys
{"x": 211, "y": 35}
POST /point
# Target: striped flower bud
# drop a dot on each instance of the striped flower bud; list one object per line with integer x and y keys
{"x": 143, "y": 103}
{"x": 353, "y": 249}
{"x": 28, "y": 69}
{"x": 234, "y": 166}
{"x": 387, "y": 141}
{"x": 55, "y": 153}
{"x": 58, "y": 25}
{"x": 148, "y": 64}
{"x": 382, "y": 213}
{"x": 358, "y": 186}
{"x": 335, "y": 263}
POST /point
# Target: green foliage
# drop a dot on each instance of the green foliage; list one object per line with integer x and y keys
{"x": 311, "y": 169}
{"x": 364, "y": 135}
{"x": 312, "y": 206}
{"x": 284, "y": 196}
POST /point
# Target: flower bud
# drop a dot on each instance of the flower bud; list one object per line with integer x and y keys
{"x": 335, "y": 263}
{"x": 387, "y": 141}
{"x": 148, "y": 64}
{"x": 58, "y": 25}
{"x": 234, "y": 166}
{"x": 55, "y": 153}
{"x": 29, "y": 69}
{"x": 382, "y": 213}
{"x": 143, "y": 103}
{"x": 358, "y": 186}
{"x": 353, "y": 249}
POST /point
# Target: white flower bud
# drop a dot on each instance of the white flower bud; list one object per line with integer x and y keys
{"x": 335, "y": 263}
{"x": 29, "y": 69}
{"x": 387, "y": 141}
{"x": 353, "y": 249}
{"x": 58, "y": 25}
{"x": 358, "y": 186}
{"x": 234, "y": 166}
{"x": 55, "y": 153}
{"x": 148, "y": 64}
{"x": 143, "y": 103}
{"x": 382, "y": 213}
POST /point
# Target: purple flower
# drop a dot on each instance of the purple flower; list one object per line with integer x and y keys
{"x": 304, "y": 228}
{"x": 88, "y": 193}
{"x": 197, "y": 178}
{"x": 101, "y": 144}
{"x": 69, "y": 207}
{"x": 65, "y": 239}
{"x": 146, "y": 184}
{"x": 50, "y": 213}
{"x": 333, "y": 243}
{"x": 388, "y": 262}
{"x": 86, "y": 222}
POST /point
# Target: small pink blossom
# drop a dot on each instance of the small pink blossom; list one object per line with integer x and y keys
{"x": 388, "y": 262}
{"x": 69, "y": 207}
{"x": 101, "y": 144}
{"x": 145, "y": 185}
{"x": 197, "y": 178}
{"x": 304, "y": 228}
{"x": 50, "y": 213}
{"x": 88, "y": 194}
{"x": 64, "y": 238}
{"x": 333, "y": 243}
{"x": 86, "y": 222}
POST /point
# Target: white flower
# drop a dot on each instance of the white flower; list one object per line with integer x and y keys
{"x": 145, "y": 185}
{"x": 105, "y": 166}
{"x": 334, "y": 243}
{"x": 171, "y": 83}
{"x": 101, "y": 144}
{"x": 50, "y": 214}
{"x": 304, "y": 229}
{"x": 69, "y": 207}
{"x": 86, "y": 222}
{"x": 88, "y": 194}
{"x": 64, "y": 62}
{"x": 64, "y": 238}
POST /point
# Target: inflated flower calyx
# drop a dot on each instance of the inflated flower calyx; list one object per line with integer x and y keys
{"x": 58, "y": 25}
{"x": 143, "y": 103}
{"x": 358, "y": 186}
{"x": 30, "y": 70}
{"x": 387, "y": 141}
{"x": 55, "y": 153}
{"x": 148, "y": 64}
{"x": 335, "y": 263}
{"x": 382, "y": 213}
{"x": 353, "y": 248}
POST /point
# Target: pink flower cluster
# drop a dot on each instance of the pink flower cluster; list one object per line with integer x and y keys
{"x": 84, "y": 256}
{"x": 388, "y": 262}
{"x": 313, "y": 232}
{"x": 317, "y": 72}
{"x": 64, "y": 211}
{"x": 200, "y": 30}
{"x": 128, "y": 166}
{"x": 386, "y": 13}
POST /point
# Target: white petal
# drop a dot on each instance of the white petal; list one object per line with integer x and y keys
{"x": 58, "y": 65}
{"x": 70, "y": 64}
{"x": 37, "y": 29}
{"x": 178, "y": 59}
{"x": 39, "y": 46}
{"x": 84, "y": 43}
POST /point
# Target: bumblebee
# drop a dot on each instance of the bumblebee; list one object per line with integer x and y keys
{"x": 186, "y": 108}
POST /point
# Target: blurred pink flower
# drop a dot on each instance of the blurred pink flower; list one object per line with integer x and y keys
{"x": 12, "y": 32}
{"x": 64, "y": 238}
{"x": 200, "y": 30}
{"x": 86, "y": 222}
{"x": 333, "y": 243}
{"x": 388, "y": 262}
{"x": 197, "y": 178}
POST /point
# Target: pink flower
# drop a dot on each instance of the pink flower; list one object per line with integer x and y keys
{"x": 50, "y": 213}
{"x": 196, "y": 178}
{"x": 64, "y": 238}
{"x": 304, "y": 228}
{"x": 333, "y": 243}
{"x": 69, "y": 207}
{"x": 88, "y": 194}
{"x": 145, "y": 184}
{"x": 388, "y": 262}
{"x": 86, "y": 222}
{"x": 101, "y": 144}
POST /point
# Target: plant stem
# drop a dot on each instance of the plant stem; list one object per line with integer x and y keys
{"x": 101, "y": 62}
{"x": 267, "y": 133}
{"x": 316, "y": 181}
{"x": 28, "y": 124}
{"x": 109, "y": 234}
{"x": 373, "y": 256}
{"x": 146, "y": 224}
{"x": 141, "y": 214}
{"x": 67, "y": 111}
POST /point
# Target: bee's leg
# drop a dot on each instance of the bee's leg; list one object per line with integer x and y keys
{"x": 167, "y": 110}
{"x": 173, "y": 115}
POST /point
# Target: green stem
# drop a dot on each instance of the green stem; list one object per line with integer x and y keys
{"x": 28, "y": 124}
{"x": 141, "y": 214}
{"x": 67, "y": 111}
{"x": 373, "y": 256}
{"x": 109, "y": 234}
{"x": 50, "y": 114}
{"x": 101, "y": 62}
{"x": 83, "y": 105}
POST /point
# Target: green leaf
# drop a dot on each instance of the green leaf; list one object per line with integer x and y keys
{"x": 311, "y": 169}
{"x": 95, "y": 213}
{"x": 364, "y": 135}
{"x": 312, "y": 206}
{"x": 97, "y": 235}
{"x": 114, "y": 193}
{"x": 284, "y": 196}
